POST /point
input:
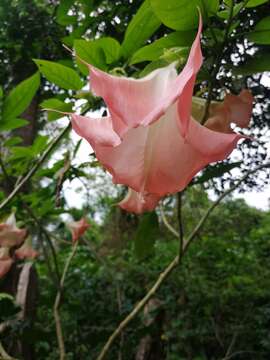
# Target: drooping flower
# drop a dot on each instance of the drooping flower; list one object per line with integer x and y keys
{"x": 10, "y": 234}
{"x": 149, "y": 141}
{"x": 5, "y": 261}
{"x": 78, "y": 228}
{"x": 26, "y": 251}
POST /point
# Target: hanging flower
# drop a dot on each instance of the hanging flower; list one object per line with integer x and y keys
{"x": 150, "y": 141}
{"x": 10, "y": 235}
{"x": 26, "y": 251}
{"x": 78, "y": 228}
{"x": 5, "y": 261}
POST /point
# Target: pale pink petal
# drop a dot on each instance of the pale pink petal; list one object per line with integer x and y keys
{"x": 139, "y": 203}
{"x": 5, "y": 261}
{"x": 10, "y": 235}
{"x": 234, "y": 108}
{"x": 95, "y": 131}
{"x": 78, "y": 228}
{"x": 158, "y": 160}
{"x": 134, "y": 102}
{"x": 5, "y": 266}
{"x": 26, "y": 252}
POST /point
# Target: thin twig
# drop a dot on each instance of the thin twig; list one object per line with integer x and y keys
{"x": 119, "y": 302}
{"x": 166, "y": 222}
{"x": 175, "y": 262}
{"x": 34, "y": 168}
{"x": 180, "y": 222}
{"x": 59, "y": 332}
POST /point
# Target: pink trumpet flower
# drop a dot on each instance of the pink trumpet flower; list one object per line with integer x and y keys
{"x": 10, "y": 235}
{"x": 150, "y": 141}
{"x": 5, "y": 261}
{"x": 78, "y": 228}
{"x": 26, "y": 251}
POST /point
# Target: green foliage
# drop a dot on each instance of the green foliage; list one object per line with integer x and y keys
{"x": 254, "y": 3}
{"x": 19, "y": 98}
{"x": 261, "y": 32}
{"x": 141, "y": 27}
{"x": 183, "y": 14}
{"x": 256, "y": 64}
{"x": 146, "y": 235}
{"x": 100, "y": 53}
{"x": 155, "y": 50}
{"x": 55, "y": 104}
{"x": 218, "y": 293}
{"x": 60, "y": 75}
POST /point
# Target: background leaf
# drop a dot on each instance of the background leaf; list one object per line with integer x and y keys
{"x": 141, "y": 27}
{"x": 55, "y": 104}
{"x": 20, "y": 97}
{"x": 146, "y": 234}
{"x": 261, "y": 32}
{"x": 99, "y": 53}
{"x": 183, "y": 14}
{"x": 60, "y": 75}
{"x": 156, "y": 49}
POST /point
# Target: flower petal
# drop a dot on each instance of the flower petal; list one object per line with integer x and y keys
{"x": 133, "y": 102}
{"x": 158, "y": 160}
{"x": 95, "y": 131}
{"x": 139, "y": 203}
{"x": 234, "y": 108}
{"x": 26, "y": 252}
{"x": 10, "y": 237}
{"x": 78, "y": 228}
{"x": 5, "y": 266}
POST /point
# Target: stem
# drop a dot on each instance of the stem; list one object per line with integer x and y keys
{"x": 167, "y": 224}
{"x": 180, "y": 222}
{"x": 33, "y": 170}
{"x": 59, "y": 332}
{"x": 175, "y": 262}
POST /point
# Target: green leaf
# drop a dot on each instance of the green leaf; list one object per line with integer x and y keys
{"x": 62, "y": 16}
{"x": 141, "y": 27}
{"x": 261, "y": 32}
{"x": 258, "y": 64}
{"x": 183, "y": 14}
{"x": 12, "y": 124}
{"x": 254, "y": 3}
{"x": 55, "y": 104}
{"x": 100, "y": 52}
{"x": 225, "y": 14}
{"x": 20, "y": 97}
{"x": 1, "y": 92}
{"x": 14, "y": 140}
{"x": 60, "y": 75}
{"x": 146, "y": 235}
{"x": 214, "y": 171}
{"x": 153, "y": 51}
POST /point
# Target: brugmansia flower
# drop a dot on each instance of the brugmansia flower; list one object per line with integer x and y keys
{"x": 78, "y": 228}
{"x": 26, "y": 251}
{"x": 5, "y": 261}
{"x": 150, "y": 142}
{"x": 10, "y": 235}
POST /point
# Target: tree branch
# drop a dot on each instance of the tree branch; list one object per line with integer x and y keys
{"x": 33, "y": 170}
{"x": 175, "y": 262}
